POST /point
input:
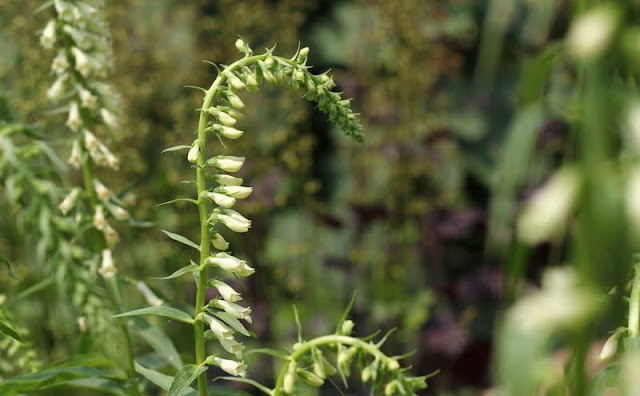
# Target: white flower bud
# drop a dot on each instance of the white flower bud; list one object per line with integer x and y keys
{"x": 547, "y": 211}
{"x": 75, "y": 158}
{"x": 60, "y": 63}
{"x": 87, "y": 99}
{"x": 347, "y": 327}
{"x": 107, "y": 269}
{"x": 303, "y": 55}
{"x": 393, "y": 365}
{"x": 110, "y": 235}
{"x": 69, "y": 201}
{"x": 269, "y": 62}
{"x": 390, "y": 388}
{"x": 235, "y": 310}
{"x": 227, "y": 180}
{"x": 610, "y": 347}
{"x": 56, "y": 89}
{"x": 90, "y": 140}
{"x": 223, "y": 117}
{"x": 220, "y": 330}
{"x": 290, "y": 378}
{"x": 238, "y": 192}
{"x": 229, "y": 132}
{"x": 219, "y": 242}
{"x": 233, "y": 224}
{"x": 235, "y": 101}
{"x": 232, "y": 346}
{"x": 220, "y": 199}
{"x": 74, "y": 122}
{"x": 109, "y": 118}
{"x": 193, "y": 152}
{"x": 227, "y": 292}
{"x": 82, "y": 323}
{"x": 227, "y": 163}
{"x": 148, "y": 294}
{"x": 102, "y": 191}
{"x": 83, "y": 62}
{"x": 225, "y": 262}
{"x": 235, "y": 82}
{"x": 118, "y": 212}
{"x": 240, "y": 45}
{"x": 48, "y": 37}
{"x": 251, "y": 80}
{"x": 238, "y": 369}
{"x": 99, "y": 221}
{"x": 591, "y": 32}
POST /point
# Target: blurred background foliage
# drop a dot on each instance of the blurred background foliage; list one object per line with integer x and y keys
{"x": 455, "y": 96}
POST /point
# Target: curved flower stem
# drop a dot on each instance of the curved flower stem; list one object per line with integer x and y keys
{"x": 327, "y": 340}
{"x": 203, "y": 210}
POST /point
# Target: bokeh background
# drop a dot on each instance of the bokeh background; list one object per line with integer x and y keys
{"x": 406, "y": 218}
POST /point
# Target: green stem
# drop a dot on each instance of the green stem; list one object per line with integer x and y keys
{"x": 634, "y": 304}
{"x": 112, "y": 283}
{"x": 307, "y": 346}
{"x": 203, "y": 210}
{"x": 87, "y": 176}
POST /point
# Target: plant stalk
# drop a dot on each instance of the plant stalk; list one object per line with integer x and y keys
{"x": 112, "y": 284}
{"x": 634, "y": 304}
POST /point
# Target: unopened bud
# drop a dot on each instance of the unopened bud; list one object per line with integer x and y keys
{"x": 192, "y": 156}
{"x": 240, "y": 45}
{"x": 219, "y": 242}
{"x": 310, "y": 378}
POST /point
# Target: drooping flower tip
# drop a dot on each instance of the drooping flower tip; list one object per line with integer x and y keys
{"x": 48, "y": 37}
{"x": 69, "y": 201}
{"x": 107, "y": 269}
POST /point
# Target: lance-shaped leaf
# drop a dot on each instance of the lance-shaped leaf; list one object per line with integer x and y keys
{"x": 161, "y": 380}
{"x": 167, "y": 312}
{"x": 181, "y": 239}
{"x": 176, "y": 148}
{"x": 8, "y": 330}
{"x": 184, "y": 270}
{"x": 184, "y": 377}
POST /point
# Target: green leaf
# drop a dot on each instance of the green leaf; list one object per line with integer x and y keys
{"x": 176, "y": 148}
{"x": 8, "y": 264}
{"x": 181, "y": 239}
{"x": 161, "y": 380}
{"x": 178, "y": 200}
{"x": 49, "y": 377}
{"x": 158, "y": 340}
{"x": 271, "y": 352}
{"x": 247, "y": 381}
{"x": 35, "y": 288}
{"x": 104, "y": 385}
{"x": 606, "y": 380}
{"x": 231, "y": 321}
{"x": 184, "y": 377}
{"x": 181, "y": 271}
{"x": 8, "y": 330}
{"x": 159, "y": 311}
{"x": 346, "y": 312}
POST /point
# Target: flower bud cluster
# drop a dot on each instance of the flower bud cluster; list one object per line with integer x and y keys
{"x": 81, "y": 40}
{"x": 308, "y": 362}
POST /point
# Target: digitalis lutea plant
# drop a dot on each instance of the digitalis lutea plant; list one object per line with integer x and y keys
{"x": 217, "y": 193}
{"x": 80, "y": 36}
